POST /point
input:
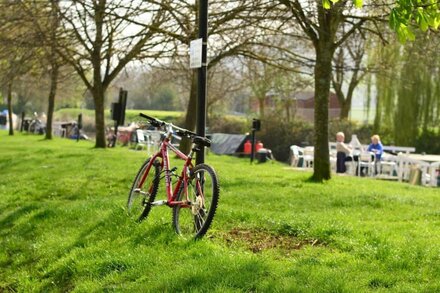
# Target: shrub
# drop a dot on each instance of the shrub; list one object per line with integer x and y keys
{"x": 278, "y": 135}
{"x": 346, "y": 126}
{"x": 428, "y": 142}
{"x": 228, "y": 124}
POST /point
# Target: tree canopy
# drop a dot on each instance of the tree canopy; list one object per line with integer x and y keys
{"x": 99, "y": 38}
{"x": 406, "y": 14}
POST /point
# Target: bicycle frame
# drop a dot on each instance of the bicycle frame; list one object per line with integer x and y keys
{"x": 193, "y": 195}
{"x": 165, "y": 166}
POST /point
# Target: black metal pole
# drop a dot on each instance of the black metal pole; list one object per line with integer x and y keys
{"x": 119, "y": 115}
{"x": 253, "y": 137}
{"x": 201, "y": 80}
{"x": 22, "y": 121}
{"x": 115, "y": 136}
{"x": 79, "y": 126}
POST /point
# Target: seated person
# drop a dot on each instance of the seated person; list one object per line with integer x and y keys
{"x": 343, "y": 152}
{"x": 376, "y": 147}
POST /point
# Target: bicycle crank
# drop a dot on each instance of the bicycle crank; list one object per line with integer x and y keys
{"x": 138, "y": 190}
{"x": 197, "y": 205}
{"x": 159, "y": 203}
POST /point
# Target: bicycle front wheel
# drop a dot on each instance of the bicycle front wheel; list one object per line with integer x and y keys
{"x": 144, "y": 190}
{"x": 202, "y": 193}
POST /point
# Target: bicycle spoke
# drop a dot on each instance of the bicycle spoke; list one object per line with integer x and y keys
{"x": 199, "y": 220}
{"x": 138, "y": 204}
{"x": 202, "y": 190}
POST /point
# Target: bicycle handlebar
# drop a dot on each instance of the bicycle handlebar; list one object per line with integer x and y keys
{"x": 180, "y": 131}
{"x": 153, "y": 121}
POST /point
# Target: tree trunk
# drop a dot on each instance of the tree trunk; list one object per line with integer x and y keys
{"x": 323, "y": 75}
{"x": 54, "y": 69}
{"x": 11, "y": 126}
{"x": 52, "y": 94}
{"x": 190, "y": 118}
{"x": 345, "y": 101}
{"x": 345, "y": 107}
{"x": 98, "y": 88}
{"x": 338, "y": 79}
{"x": 98, "y": 97}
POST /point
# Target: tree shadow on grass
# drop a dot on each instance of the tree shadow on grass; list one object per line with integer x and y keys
{"x": 62, "y": 273}
{"x": 61, "y": 276}
{"x": 9, "y": 220}
{"x": 23, "y": 229}
{"x": 314, "y": 180}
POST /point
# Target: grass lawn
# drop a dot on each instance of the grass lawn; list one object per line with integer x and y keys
{"x": 68, "y": 114}
{"x": 63, "y": 227}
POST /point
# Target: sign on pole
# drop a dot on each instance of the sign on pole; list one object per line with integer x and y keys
{"x": 195, "y": 53}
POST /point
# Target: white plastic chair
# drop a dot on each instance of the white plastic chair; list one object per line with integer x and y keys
{"x": 308, "y": 156}
{"x": 143, "y": 140}
{"x": 405, "y": 164}
{"x": 294, "y": 155}
{"x": 366, "y": 161}
{"x": 387, "y": 167}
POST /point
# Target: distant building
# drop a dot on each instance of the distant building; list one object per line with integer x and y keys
{"x": 302, "y": 106}
{"x": 305, "y": 106}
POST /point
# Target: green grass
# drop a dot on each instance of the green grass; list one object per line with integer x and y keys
{"x": 63, "y": 227}
{"x": 68, "y": 114}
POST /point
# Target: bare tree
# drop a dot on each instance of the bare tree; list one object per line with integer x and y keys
{"x": 54, "y": 64}
{"x": 231, "y": 30}
{"x": 286, "y": 85}
{"x": 224, "y": 82}
{"x": 101, "y": 37}
{"x": 348, "y": 70}
{"x": 260, "y": 77}
{"x": 327, "y": 25}
{"x": 18, "y": 57}
{"x": 42, "y": 20}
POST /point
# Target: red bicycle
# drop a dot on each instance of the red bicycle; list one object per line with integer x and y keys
{"x": 195, "y": 195}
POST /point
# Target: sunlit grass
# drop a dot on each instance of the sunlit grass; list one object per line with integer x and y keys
{"x": 68, "y": 114}
{"x": 63, "y": 227}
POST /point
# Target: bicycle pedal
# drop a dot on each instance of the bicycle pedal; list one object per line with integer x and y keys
{"x": 137, "y": 190}
{"x": 159, "y": 203}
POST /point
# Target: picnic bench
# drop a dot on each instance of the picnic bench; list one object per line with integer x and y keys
{"x": 397, "y": 163}
{"x": 398, "y": 149}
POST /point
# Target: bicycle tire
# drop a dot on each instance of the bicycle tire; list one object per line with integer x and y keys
{"x": 195, "y": 220}
{"x": 143, "y": 206}
{"x": 32, "y": 127}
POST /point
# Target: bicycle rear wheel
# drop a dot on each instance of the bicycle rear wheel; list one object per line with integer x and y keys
{"x": 203, "y": 194}
{"x": 144, "y": 190}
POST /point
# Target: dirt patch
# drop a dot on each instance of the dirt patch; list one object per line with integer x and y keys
{"x": 260, "y": 240}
